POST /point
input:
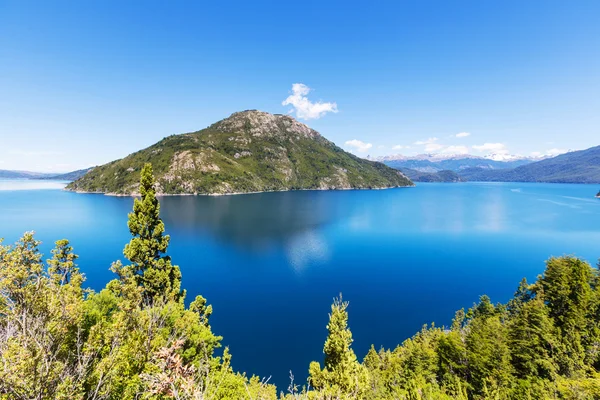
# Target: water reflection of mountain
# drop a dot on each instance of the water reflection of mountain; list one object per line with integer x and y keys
{"x": 254, "y": 221}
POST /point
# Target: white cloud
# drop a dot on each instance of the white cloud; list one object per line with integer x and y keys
{"x": 433, "y": 147}
{"x": 428, "y": 141}
{"x": 400, "y": 147}
{"x": 496, "y": 148}
{"x": 430, "y": 144}
{"x": 549, "y": 153}
{"x": 305, "y": 108}
{"x": 555, "y": 152}
{"x": 462, "y": 134}
{"x": 359, "y": 145}
{"x": 456, "y": 150}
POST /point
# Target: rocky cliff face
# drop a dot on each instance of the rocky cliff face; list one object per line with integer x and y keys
{"x": 260, "y": 124}
{"x": 250, "y": 151}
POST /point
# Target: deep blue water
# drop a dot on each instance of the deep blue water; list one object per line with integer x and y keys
{"x": 271, "y": 263}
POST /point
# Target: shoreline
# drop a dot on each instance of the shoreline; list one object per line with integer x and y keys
{"x": 233, "y": 193}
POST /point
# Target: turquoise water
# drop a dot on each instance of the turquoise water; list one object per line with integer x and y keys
{"x": 271, "y": 263}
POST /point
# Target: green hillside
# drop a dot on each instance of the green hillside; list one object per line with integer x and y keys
{"x": 250, "y": 151}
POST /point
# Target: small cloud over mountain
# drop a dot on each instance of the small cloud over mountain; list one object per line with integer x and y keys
{"x": 462, "y": 134}
{"x": 548, "y": 153}
{"x": 556, "y": 152}
{"x": 428, "y": 141}
{"x": 430, "y": 144}
{"x": 456, "y": 150}
{"x": 358, "y": 145}
{"x": 303, "y": 107}
{"x": 497, "y": 148}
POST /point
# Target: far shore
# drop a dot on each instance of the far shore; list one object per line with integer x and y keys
{"x": 233, "y": 193}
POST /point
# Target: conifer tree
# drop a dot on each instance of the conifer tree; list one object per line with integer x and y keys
{"x": 486, "y": 343}
{"x": 532, "y": 340}
{"x": 151, "y": 268}
{"x": 566, "y": 287}
{"x": 521, "y": 296}
{"x": 61, "y": 266}
{"x": 338, "y": 354}
{"x": 342, "y": 372}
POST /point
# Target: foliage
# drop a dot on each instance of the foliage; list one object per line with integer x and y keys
{"x": 135, "y": 339}
{"x": 543, "y": 344}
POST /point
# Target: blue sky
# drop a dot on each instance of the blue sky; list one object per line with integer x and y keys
{"x": 86, "y": 82}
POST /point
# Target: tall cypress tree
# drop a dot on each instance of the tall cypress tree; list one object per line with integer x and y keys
{"x": 152, "y": 269}
{"x": 338, "y": 354}
{"x": 342, "y": 370}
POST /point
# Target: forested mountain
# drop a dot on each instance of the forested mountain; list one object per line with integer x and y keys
{"x": 137, "y": 339}
{"x": 69, "y": 176}
{"x": 440, "y": 176}
{"x": 251, "y": 151}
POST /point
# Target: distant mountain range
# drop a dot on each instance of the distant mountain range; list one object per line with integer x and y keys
{"x": 69, "y": 176}
{"x": 250, "y": 151}
{"x": 7, "y": 174}
{"x": 435, "y": 162}
{"x": 573, "y": 167}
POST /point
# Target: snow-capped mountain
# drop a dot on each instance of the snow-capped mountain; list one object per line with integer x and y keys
{"x": 512, "y": 157}
{"x": 431, "y": 163}
{"x": 436, "y": 157}
{"x": 427, "y": 157}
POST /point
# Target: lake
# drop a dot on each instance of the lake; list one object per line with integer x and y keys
{"x": 271, "y": 263}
